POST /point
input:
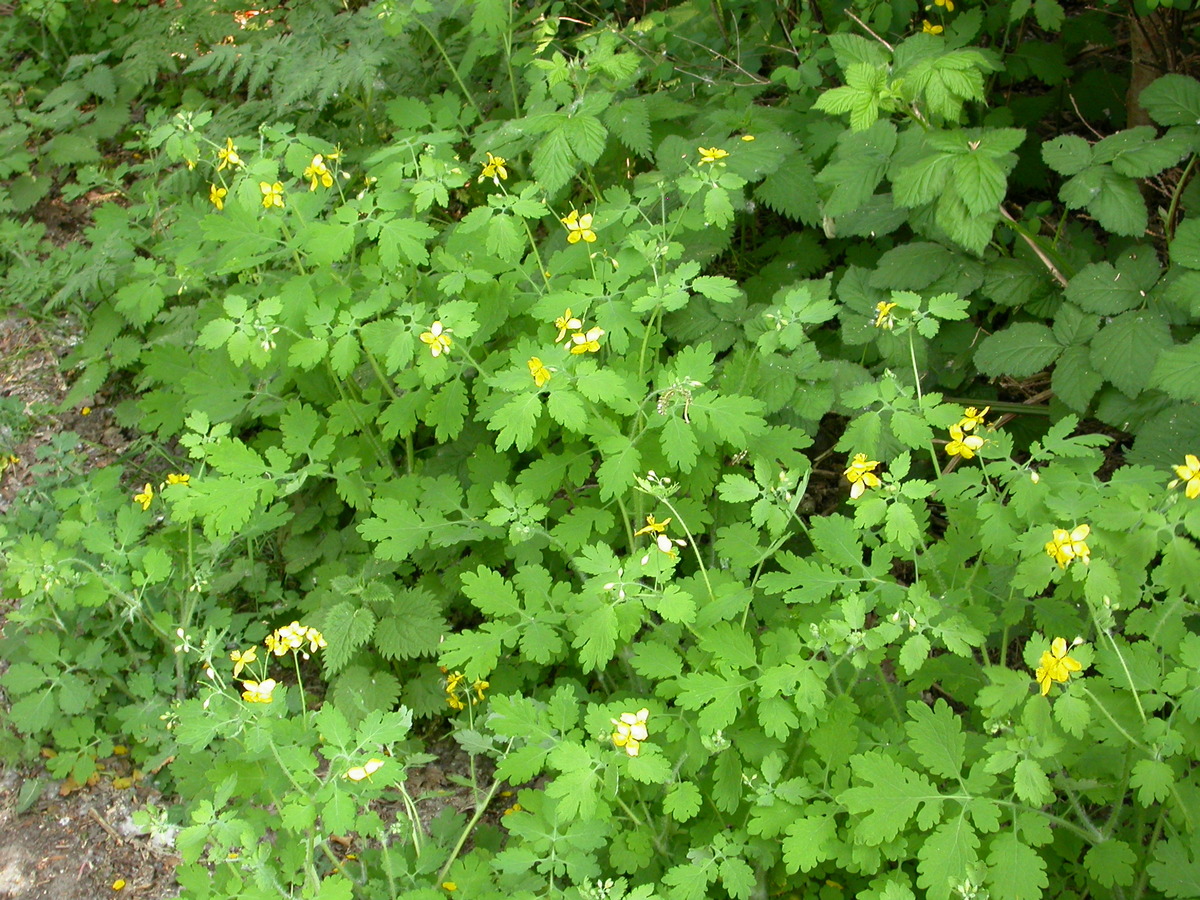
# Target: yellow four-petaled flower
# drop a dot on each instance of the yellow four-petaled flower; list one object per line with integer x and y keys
{"x": 145, "y": 496}
{"x": 630, "y": 731}
{"x": 883, "y": 315}
{"x": 242, "y": 658}
{"x": 272, "y": 194}
{"x": 1055, "y": 665}
{"x": 293, "y": 637}
{"x": 963, "y": 444}
{"x": 586, "y": 342}
{"x": 1066, "y": 546}
{"x": 216, "y": 196}
{"x": 366, "y": 770}
{"x": 861, "y": 475}
{"x": 928, "y": 28}
{"x": 437, "y": 338}
{"x": 540, "y": 372}
{"x": 318, "y": 173}
{"x": 579, "y": 228}
{"x": 1190, "y": 473}
{"x": 566, "y": 322}
{"x": 712, "y": 154}
{"x": 228, "y": 156}
{"x": 495, "y": 169}
{"x": 258, "y": 691}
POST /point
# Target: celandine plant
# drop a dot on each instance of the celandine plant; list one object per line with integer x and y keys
{"x": 628, "y": 431}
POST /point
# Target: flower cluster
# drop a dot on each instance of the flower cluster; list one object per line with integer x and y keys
{"x": 631, "y": 731}
{"x": 962, "y": 442}
{"x": 579, "y": 228}
{"x": 581, "y": 341}
{"x": 861, "y": 475}
{"x": 457, "y": 690}
{"x": 1189, "y": 473}
{"x": 662, "y": 540}
{"x": 292, "y": 638}
{"x": 437, "y": 338}
{"x": 495, "y": 169}
{"x": 1055, "y": 665}
{"x": 1065, "y": 546}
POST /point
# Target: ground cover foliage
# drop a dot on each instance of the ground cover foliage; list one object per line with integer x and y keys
{"x": 678, "y": 407}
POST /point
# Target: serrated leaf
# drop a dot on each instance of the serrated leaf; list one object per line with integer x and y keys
{"x": 553, "y": 161}
{"x": 346, "y": 628}
{"x": 683, "y": 801}
{"x": 1185, "y": 246}
{"x": 1172, "y": 100}
{"x": 947, "y": 857}
{"x": 1111, "y": 863}
{"x": 679, "y": 444}
{"x": 791, "y": 191}
{"x": 1075, "y": 381}
{"x": 1113, "y": 199}
{"x": 1127, "y": 349}
{"x": 1176, "y": 867}
{"x": 1031, "y": 783}
{"x": 936, "y": 736}
{"x": 1019, "y": 351}
{"x": 402, "y": 241}
{"x": 1067, "y": 154}
{"x": 515, "y": 421}
{"x": 810, "y": 841}
{"x": 1153, "y": 779}
{"x": 738, "y": 489}
{"x": 1015, "y": 870}
{"x": 1100, "y": 288}
{"x": 892, "y": 796}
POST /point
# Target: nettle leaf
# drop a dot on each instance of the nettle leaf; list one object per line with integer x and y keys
{"x": 1075, "y": 381}
{"x": 1019, "y": 351}
{"x": 981, "y": 182}
{"x": 411, "y": 627}
{"x": 1127, "y": 349}
{"x": 791, "y": 191}
{"x": 1172, "y": 100}
{"x": 1015, "y": 870}
{"x": 346, "y": 628}
{"x": 889, "y": 800}
{"x": 554, "y": 162}
{"x": 1067, "y": 154}
{"x": 629, "y": 120}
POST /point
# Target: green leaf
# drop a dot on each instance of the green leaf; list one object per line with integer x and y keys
{"x": 936, "y": 736}
{"x": 980, "y": 182}
{"x": 1111, "y": 863}
{"x": 891, "y": 797}
{"x": 679, "y": 444}
{"x": 947, "y": 857}
{"x": 810, "y": 841}
{"x": 1127, "y": 349}
{"x": 1075, "y": 381}
{"x": 737, "y": 877}
{"x": 837, "y": 537}
{"x": 622, "y": 462}
{"x": 738, "y": 489}
{"x": 1019, "y": 351}
{"x": 1015, "y": 870}
{"x": 1185, "y": 247}
{"x": 1172, "y": 100}
{"x": 1176, "y": 867}
{"x": 791, "y": 191}
{"x": 567, "y": 408}
{"x": 1100, "y": 288}
{"x": 914, "y": 654}
{"x": 447, "y": 410}
{"x": 346, "y": 628}
{"x": 717, "y": 288}
{"x": 402, "y": 242}
{"x": 683, "y": 801}
{"x": 1067, "y": 154}
{"x": 1031, "y": 783}
{"x": 515, "y": 421}
{"x": 1113, "y": 199}
{"x": 717, "y": 696}
{"x": 1153, "y": 779}
{"x": 553, "y": 161}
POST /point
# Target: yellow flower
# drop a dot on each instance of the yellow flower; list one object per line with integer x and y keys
{"x": 318, "y": 172}
{"x": 272, "y": 194}
{"x": 1055, "y": 665}
{"x": 437, "y": 338}
{"x": 258, "y": 691}
{"x": 883, "y": 315}
{"x": 449, "y": 886}
{"x": 948, "y": 4}
{"x": 316, "y": 640}
{"x": 1190, "y": 473}
{"x": 564, "y": 323}
{"x": 930, "y": 29}
{"x": 579, "y": 228}
{"x": 86, "y": 411}
{"x": 369, "y": 768}
{"x": 861, "y": 475}
{"x": 175, "y": 478}
{"x": 479, "y": 687}
{"x": 631, "y": 731}
{"x": 293, "y": 638}
{"x": 1065, "y": 546}
{"x": 712, "y": 154}
{"x": 242, "y": 659}
{"x": 962, "y": 444}
{"x": 145, "y": 496}
{"x": 540, "y": 372}
{"x": 119, "y": 884}
{"x": 748, "y": 138}
{"x": 973, "y": 418}
{"x": 217, "y": 196}
{"x": 228, "y": 156}
{"x": 453, "y": 682}
{"x": 495, "y": 169}
{"x": 586, "y": 343}
{"x": 653, "y": 527}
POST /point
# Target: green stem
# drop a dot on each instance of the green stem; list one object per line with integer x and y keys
{"x": 453, "y": 69}
{"x": 1168, "y": 223}
{"x": 480, "y": 809}
{"x": 692, "y": 544}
